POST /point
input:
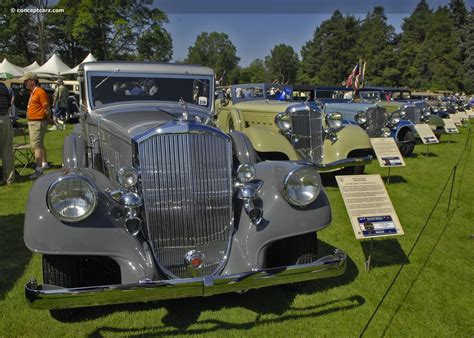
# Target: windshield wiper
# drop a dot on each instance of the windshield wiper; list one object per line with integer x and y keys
{"x": 105, "y": 79}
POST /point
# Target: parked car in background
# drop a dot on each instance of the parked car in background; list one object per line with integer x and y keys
{"x": 154, "y": 202}
{"x": 22, "y": 95}
{"x": 322, "y": 94}
{"x": 280, "y": 128}
{"x": 421, "y": 113}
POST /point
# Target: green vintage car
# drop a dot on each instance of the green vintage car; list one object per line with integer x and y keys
{"x": 282, "y": 129}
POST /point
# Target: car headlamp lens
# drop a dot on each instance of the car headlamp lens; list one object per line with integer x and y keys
{"x": 283, "y": 121}
{"x": 127, "y": 177}
{"x": 71, "y": 198}
{"x": 395, "y": 117}
{"x": 246, "y": 172}
{"x": 361, "y": 117}
{"x": 403, "y": 114}
{"x": 335, "y": 120}
{"x": 385, "y": 132}
{"x": 302, "y": 186}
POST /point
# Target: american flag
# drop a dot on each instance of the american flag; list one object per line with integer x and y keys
{"x": 352, "y": 76}
{"x": 358, "y": 77}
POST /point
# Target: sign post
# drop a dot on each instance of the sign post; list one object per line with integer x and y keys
{"x": 450, "y": 128}
{"x": 387, "y": 153}
{"x": 426, "y": 134}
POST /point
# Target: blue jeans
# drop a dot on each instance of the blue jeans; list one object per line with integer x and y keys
{"x": 58, "y": 111}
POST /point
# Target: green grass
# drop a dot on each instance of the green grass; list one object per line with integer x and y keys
{"x": 432, "y": 295}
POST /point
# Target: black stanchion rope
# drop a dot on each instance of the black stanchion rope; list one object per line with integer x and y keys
{"x": 451, "y": 177}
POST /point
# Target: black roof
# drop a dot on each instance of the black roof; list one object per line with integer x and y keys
{"x": 313, "y": 87}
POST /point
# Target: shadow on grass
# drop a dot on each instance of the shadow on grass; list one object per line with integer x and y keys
{"x": 385, "y": 252}
{"x": 292, "y": 313}
{"x": 14, "y": 256}
{"x": 394, "y": 179}
{"x": 422, "y": 154}
{"x": 183, "y": 313}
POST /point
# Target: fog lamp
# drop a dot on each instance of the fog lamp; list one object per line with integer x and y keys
{"x": 127, "y": 177}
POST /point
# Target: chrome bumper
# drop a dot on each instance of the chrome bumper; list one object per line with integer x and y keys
{"x": 347, "y": 162}
{"x": 53, "y": 297}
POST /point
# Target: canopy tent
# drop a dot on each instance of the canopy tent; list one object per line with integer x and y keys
{"x": 8, "y": 67}
{"x": 31, "y": 67}
{"x": 53, "y": 66}
{"x": 89, "y": 58}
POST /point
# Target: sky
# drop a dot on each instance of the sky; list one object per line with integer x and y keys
{"x": 256, "y": 26}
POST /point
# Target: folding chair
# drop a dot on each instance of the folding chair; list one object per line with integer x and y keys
{"x": 22, "y": 150}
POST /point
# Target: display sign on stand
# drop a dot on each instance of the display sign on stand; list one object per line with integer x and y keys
{"x": 450, "y": 128}
{"x": 470, "y": 113}
{"x": 463, "y": 116}
{"x": 426, "y": 134}
{"x": 370, "y": 209}
{"x": 456, "y": 119}
{"x": 387, "y": 153}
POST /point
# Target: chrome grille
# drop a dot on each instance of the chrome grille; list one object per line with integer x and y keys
{"x": 413, "y": 113}
{"x": 186, "y": 181}
{"x": 308, "y": 129}
{"x": 376, "y": 121}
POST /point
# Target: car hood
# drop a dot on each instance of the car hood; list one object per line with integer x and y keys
{"x": 271, "y": 106}
{"x": 129, "y": 120}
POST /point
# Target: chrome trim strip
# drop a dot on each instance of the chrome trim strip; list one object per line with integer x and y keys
{"x": 46, "y": 297}
{"x": 347, "y": 162}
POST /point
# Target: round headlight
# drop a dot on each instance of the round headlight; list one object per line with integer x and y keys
{"x": 71, "y": 198}
{"x": 335, "y": 120}
{"x": 385, "y": 132}
{"x": 127, "y": 177}
{"x": 361, "y": 117}
{"x": 394, "y": 117}
{"x": 302, "y": 186}
{"x": 283, "y": 121}
{"x": 403, "y": 114}
{"x": 246, "y": 172}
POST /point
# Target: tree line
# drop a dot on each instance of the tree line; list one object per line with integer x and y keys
{"x": 434, "y": 50}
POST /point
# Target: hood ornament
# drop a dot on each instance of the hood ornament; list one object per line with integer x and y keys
{"x": 185, "y": 115}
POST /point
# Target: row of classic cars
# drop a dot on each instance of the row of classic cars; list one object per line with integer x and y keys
{"x": 175, "y": 188}
{"x": 155, "y": 202}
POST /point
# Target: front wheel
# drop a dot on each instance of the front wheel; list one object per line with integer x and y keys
{"x": 407, "y": 140}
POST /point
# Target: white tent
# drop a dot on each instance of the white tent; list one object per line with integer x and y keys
{"x": 31, "y": 67}
{"x": 53, "y": 66}
{"x": 89, "y": 58}
{"x": 8, "y": 67}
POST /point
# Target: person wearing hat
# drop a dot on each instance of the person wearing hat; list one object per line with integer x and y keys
{"x": 37, "y": 114}
{"x": 60, "y": 97}
{"x": 6, "y": 136}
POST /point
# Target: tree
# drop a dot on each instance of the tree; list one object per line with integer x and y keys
{"x": 111, "y": 29}
{"x": 155, "y": 45}
{"x": 329, "y": 56}
{"x": 282, "y": 63}
{"x": 376, "y": 43}
{"x": 18, "y": 40}
{"x": 254, "y": 73}
{"x": 414, "y": 55}
{"x": 468, "y": 62}
{"x": 214, "y": 50}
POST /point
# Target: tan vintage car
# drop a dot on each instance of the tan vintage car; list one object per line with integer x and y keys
{"x": 282, "y": 129}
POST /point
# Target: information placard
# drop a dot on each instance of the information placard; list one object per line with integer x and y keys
{"x": 387, "y": 152}
{"x": 369, "y": 207}
{"x": 470, "y": 113}
{"x": 463, "y": 115}
{"x": 456, "y": 119}
{"x": 426, "y": 133}
{"x": 450, "y": 127}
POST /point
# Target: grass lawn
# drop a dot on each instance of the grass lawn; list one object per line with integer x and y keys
{"x": 432, "y": 295}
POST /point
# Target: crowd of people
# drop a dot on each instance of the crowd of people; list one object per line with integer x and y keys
{"x": 40, "y": 112}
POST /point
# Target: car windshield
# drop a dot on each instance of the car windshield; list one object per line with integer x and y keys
{"x": 261, "y": 91}
{"x": 107, "y": 88}
{"x": 372, "y": 96}
{"x": 334, "y": 94}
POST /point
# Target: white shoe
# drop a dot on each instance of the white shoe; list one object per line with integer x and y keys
{"x": 45, "y": 166}
{"x": 35, "y": 175}
{"x": 53, "y": 128}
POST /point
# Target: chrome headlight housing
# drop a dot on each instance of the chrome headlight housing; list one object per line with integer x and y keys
{"x": 302, "y": 186}
{"x": 71, "y": 198}
{"x": 335, "y": 120}
{"x": 127, "y": 177}
{"x": 403, "y": 114}
{"x": 394, "y": 118}
{"x": 245, "y": 172}
{"x": 361, "y": 117}
{"x": 283, "y": 121}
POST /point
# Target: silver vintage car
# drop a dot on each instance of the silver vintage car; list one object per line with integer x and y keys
{"x": 154, "y": 202}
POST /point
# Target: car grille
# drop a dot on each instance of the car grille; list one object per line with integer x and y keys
{"x": 186, "y": 181}
{"x": 413, "y": 113}
{"x": 308, "y": 129}
{"x": 376, "y": 121}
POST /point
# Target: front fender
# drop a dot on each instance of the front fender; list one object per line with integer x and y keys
{"x": 74, "y": 152}
{"x": 101, "y": 234}
{"x": 280, "y": 219}
{"x": 401, "y": 127}
{"x": 349, "y": 138}
{"x": 266, "y": 140}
